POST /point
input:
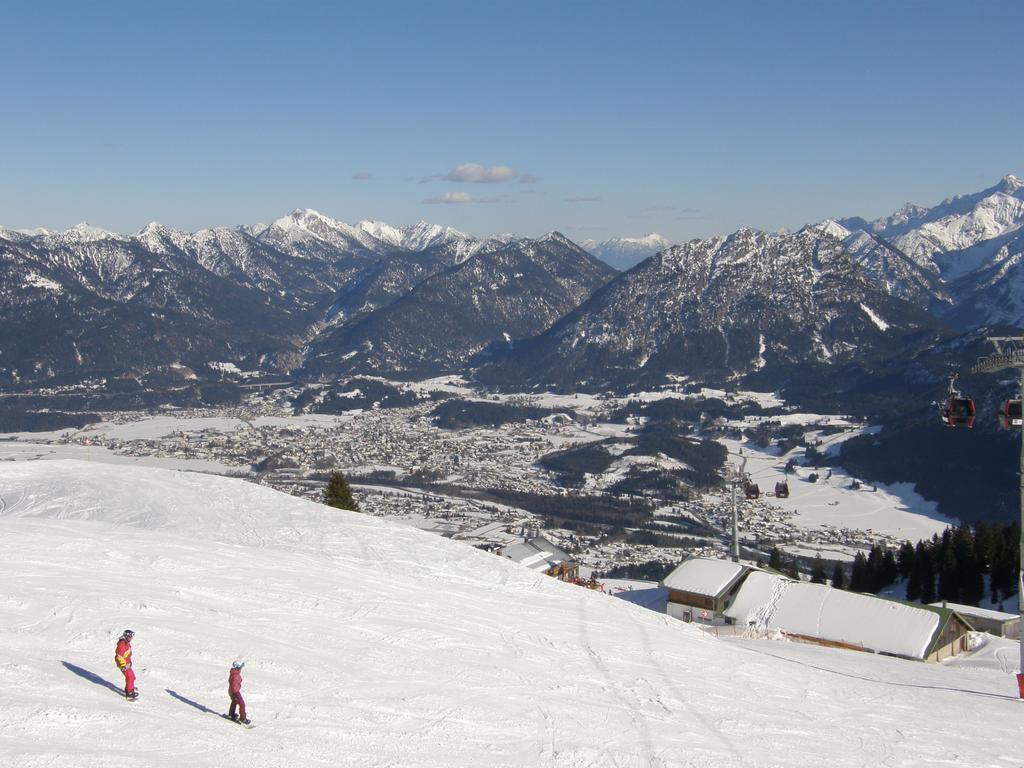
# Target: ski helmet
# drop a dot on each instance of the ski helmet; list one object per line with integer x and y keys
{"x": 237, "y": 664}
{"x": 128, "y": 634}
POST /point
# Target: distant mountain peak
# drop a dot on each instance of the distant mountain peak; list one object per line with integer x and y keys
{"x": 86, "y": 232}
{"x": 154, "y": 227}
{"x": 833, "y": 228}
{"x": 1010, "y": 184}
{"x": 423, "y": 235}
{"x": 557, "y": 237}
{"x": 380, "y": 229}
{"x": 624, "y": 252}
{"x": 302, "y": 217}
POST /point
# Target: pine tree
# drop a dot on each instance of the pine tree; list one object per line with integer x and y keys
{"x": 793, "y": 570}
{"x": 890, "y": 570}
{"x": 972, "y": 586}
{"x": 924, "y": 557}
{"x": 921, "y": 583}
{"x": 914, "y": 583}
{"x": 949, "y": 584}
{"x": 338, "y": 493}
{"x": 874, "y": 577}
{"x": 969, "y": 577}
{"x": 818, "y": 575}
{"x": 905, "y": 559}
{"x": 1005, "y": 561}
{"x": 859, "y": 575}
{"x": 775, "y": 560}
{"x": 983, "y": 542}
{"x": 839, "y": 577}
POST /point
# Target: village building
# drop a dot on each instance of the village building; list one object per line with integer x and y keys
{"x": 539, "y": 554}
{"x": 701, "y": 588}
{"x": 995, "y": 623}
{"x": 819, "y": 614}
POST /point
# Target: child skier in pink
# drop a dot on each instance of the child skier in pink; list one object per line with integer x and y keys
{"x": 235, "y": 692}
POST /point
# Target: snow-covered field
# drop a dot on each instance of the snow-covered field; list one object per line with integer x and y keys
{"x": 14, "y": 450}
{"x": 896, "y": 510}
{"x": 374, "y": 644}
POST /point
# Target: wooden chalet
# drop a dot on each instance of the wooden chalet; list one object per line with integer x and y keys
{"x": 539, "y": 554}
{"x": 951, "y": 636}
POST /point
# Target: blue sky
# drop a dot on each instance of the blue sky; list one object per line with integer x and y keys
{"x": 596, "y": 118}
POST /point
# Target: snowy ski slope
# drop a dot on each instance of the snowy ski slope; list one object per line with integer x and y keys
{"x": 374, "y": 644}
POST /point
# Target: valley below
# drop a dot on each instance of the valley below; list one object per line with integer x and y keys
{"x": 592, "y": 472}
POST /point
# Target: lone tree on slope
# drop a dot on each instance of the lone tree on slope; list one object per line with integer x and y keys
{"x": 339, "y": 493}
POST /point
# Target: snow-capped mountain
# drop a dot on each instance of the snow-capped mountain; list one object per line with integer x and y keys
{"x": 102, "y": 307}
{"x": 954, "y": 225}
{"x": 506, "y": 290}
{"x": 890, "y": 268}
{"x": 993, "y": 293}
{"x": 721, "y": 307}
{"x": 624, "y": 252}
{"x": 372, "y": 296}
{"x": 961, "y": 242}
{"x": 422, "y": 236}
{"x": 249, "y": 295}
{"x": 309, "y": 233}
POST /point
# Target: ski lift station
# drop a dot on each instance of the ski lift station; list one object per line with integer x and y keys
{"x": 702, "y": 588}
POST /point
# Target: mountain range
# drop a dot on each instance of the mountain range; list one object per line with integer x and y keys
{"x": 317, "y": 297}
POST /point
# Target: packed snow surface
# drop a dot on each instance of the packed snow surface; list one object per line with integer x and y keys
{"x": 372, "y": 644}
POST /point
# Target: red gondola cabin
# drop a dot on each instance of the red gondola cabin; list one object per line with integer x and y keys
{"x": 1010, "y": 415}
{"x": 959, "y": 412}
{"x": 753, "y": 491}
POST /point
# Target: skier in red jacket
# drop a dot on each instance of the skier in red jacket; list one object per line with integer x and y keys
{"x": 123, "y": 659}
{"x": 235, "y": 692}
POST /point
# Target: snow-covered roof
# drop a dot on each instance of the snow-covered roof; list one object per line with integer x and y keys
{"x": 981, "y": 613}
{"x": 703, "y": 576}
{"x": 815, "y": 610}
{"x": 538, "y": 554}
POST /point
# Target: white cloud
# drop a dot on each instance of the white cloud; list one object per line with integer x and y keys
{"x": 474, "y": 173}
{"x": 590, "y": 199}
{"x": 361, "y": 176}
{"x": 528, "y": 178}
{"x": 450, "y": 198}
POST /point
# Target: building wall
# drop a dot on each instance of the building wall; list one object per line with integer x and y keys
{"x": 564, "y": 571}
{"x": 954, "y": 647}
{"x": 691, "y": 599}
{"x": 1008, "y": 629}
{"x": 687, "y": 606}
{"x": 952, "y": 641}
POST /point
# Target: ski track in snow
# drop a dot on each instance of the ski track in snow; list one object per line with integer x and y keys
{"x": 373, "y": 644}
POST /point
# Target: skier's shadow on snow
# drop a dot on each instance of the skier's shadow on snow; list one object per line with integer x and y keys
{"x": 196, "y": 704}
{"x": 92, "y": 677}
